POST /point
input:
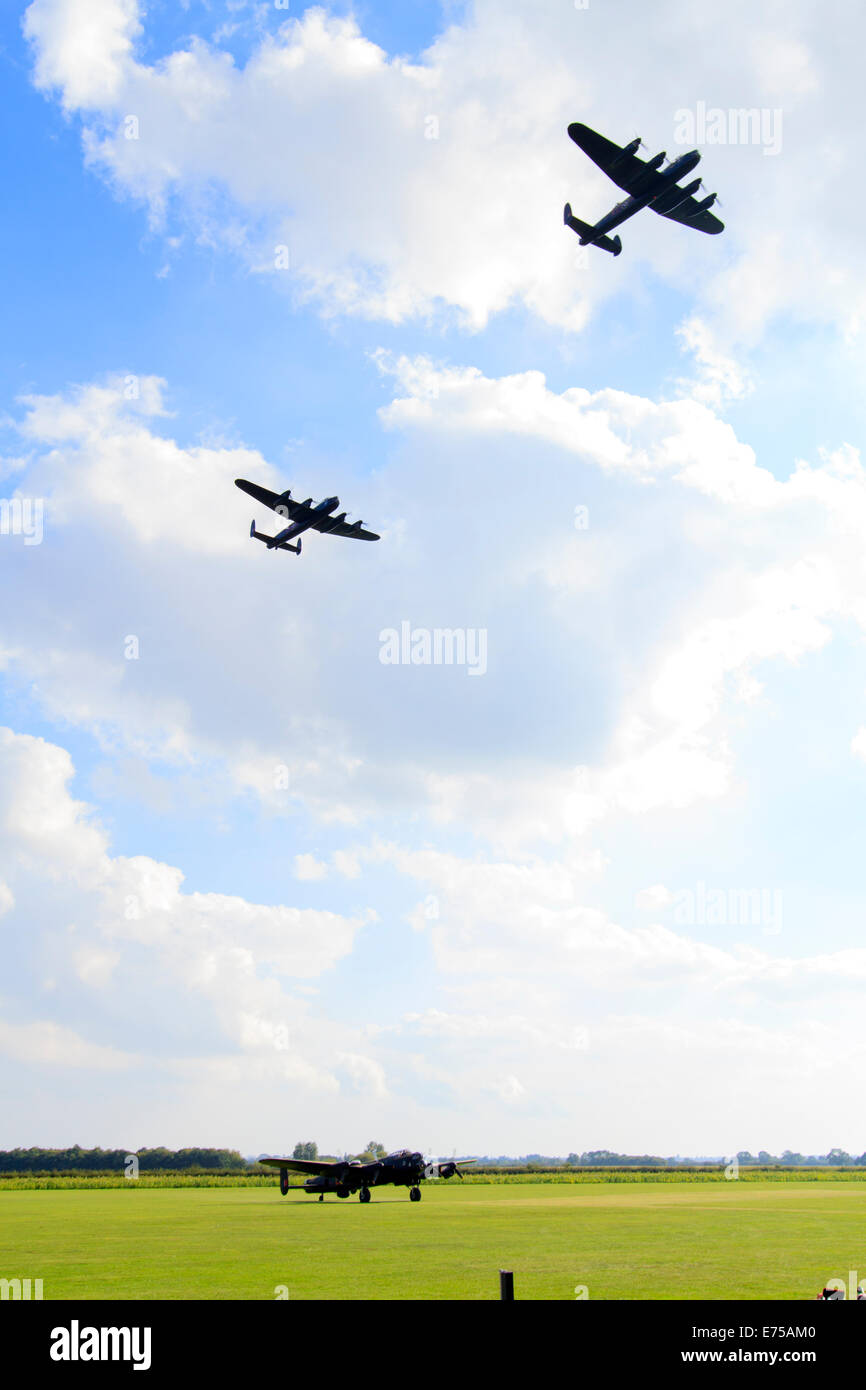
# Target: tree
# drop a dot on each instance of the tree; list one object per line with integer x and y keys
{"x": 308, "y": 1150}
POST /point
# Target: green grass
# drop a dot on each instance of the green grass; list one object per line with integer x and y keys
{"x": 88, "y": 1181}
{"x": 656, "y": 1241}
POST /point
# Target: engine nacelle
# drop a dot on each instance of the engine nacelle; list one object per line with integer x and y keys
{"x": 631, "y": 148}
{"x": 691, "y": 189}
{"x": 657, "y": 160}
{"x": 706, "y": 203}
{"x": 677, "y": 196}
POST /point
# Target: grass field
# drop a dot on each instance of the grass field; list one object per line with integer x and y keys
{"x": 653, "y": 1241}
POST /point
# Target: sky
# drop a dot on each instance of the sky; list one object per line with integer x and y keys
{"x": 270, "y": 871}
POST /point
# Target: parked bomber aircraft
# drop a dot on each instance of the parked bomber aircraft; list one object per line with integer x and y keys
{"x": 303, "y": 517}
{"x": 647, "y": 184}
{"x": 402, "y": 1169}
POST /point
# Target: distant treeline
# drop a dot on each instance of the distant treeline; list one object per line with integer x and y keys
{"x": 216, "y": 1161}
{"x": 606, "y": 1158}
{"x": 78, "y": 1160}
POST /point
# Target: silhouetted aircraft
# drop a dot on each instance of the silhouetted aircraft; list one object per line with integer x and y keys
{"x": 345, "y": 1176}
{"x": 647, "y": 184}
{"x": 303, "y": 516}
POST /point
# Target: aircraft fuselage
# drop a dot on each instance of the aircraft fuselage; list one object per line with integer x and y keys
{"x": 636, "y": 201}
{"x": 330, "y": 504}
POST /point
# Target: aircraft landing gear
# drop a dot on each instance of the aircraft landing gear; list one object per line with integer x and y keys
{"x": 414, "y": 1194}
{"x": 364, "y": 1194}
{"x": 321, "y": 1196}
{"x": 284, "y": 1181}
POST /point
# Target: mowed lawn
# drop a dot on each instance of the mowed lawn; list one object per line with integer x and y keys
{"x": 651, "y": 1241}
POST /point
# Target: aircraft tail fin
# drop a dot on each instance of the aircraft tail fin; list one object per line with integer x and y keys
{"x": 588, "y": 235}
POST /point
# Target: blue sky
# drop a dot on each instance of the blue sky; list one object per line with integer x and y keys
{"x": 255, "y": 884}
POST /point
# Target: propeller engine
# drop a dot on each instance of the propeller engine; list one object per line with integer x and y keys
{"x": 628, "y": 150}
{"x": 674, "y": 198}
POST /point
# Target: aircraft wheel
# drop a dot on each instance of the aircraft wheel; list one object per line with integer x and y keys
{"x": 364, "y": 1194}
{"x": 414, "y": 1194}
{"x": 342, "y": 1192}
{"x": 284, "y": 1181}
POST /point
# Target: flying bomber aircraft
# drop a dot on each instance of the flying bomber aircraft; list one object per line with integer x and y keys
{"x": 345, "y": 1176}
{"x": 303, "y": 517}
{"x": 647, "y": 184}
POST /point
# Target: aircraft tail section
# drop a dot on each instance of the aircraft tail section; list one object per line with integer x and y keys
{"x": 588, "y": 235}
{"x": 283, "y": 545}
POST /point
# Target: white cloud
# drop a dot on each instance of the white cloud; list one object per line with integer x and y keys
{"x": 367, "y": 1075}
{"x": 773, "y": 590}
{"x": 510, "y": 1088}
{"x": 459, "y": 163}
{"x": 654, "y": 898}
{"x": 720, "y": 378}
{"x": 42, "y": 1043}
{"x": 83, "y": 49}
{"x": 629, "y": 662}
{"x": 308, "y": 868}
{"x": 7, "y": 900}
{"x": 135, "y": 923}
{"x": 346, "y": 863}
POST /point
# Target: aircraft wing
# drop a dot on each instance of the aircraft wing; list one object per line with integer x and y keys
{"x": 298, "y": 1165}
{"x": 626, "y": 170}
{"x": 343, "y": 529}
{"x": 268, "y": 498}
{"x": 685, "y": 213}
{"x": 454, "y": 1163}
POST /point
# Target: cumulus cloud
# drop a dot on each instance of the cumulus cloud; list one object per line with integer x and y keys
{"x": 459, "y": 165}
{"x": 651, "y": 899}
{"x": 308, "y": 868}
{"x": 46, "y": 1044}
{"x": 630, "y": 656}
{"x": 133, "y": 921}
{"x": 85, "y": 51}
{"x": 774, "y": 592}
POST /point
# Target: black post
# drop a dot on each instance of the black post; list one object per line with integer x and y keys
{"x": 506, "y": 1286}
